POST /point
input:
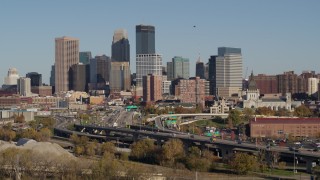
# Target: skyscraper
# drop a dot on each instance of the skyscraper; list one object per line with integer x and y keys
{"x": 120, "y": 76}
{"x": 78, "y": 77}
{"x": 180, "y": 67}
{"x": 200, "y": 69}
{"x": 84, "y": 57}
{"x": 36, "y": 78}
{"x": 24, "y": 86}
{"x": 66, "y": 54}
{"x": 120, "y": 48}
{"x": 145, "y": 39}
{"x": 212, "y": 74}
{"x": 152, "y": 88}
{"x": 100, "y": 69}
{"x": 228, "y": 71}
{"x": 148, "y": 64}
{"x": 170, "y": 71}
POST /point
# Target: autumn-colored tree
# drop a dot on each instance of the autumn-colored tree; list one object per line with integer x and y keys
{"x": 144, "y": 150}
{"x": 302, "y": 111}
{"x": 108, "y": 147}
{"x": 265, "y": 111}
{"x": 44, "y": 134}
{"x": 242, "y": 163}
{"x": 7, "y": 134}
{"x": 19, "y": 119}
{"x": 282, "y": 112}
{"x": 172, "y": 152}
{"x": 248, "y": 114}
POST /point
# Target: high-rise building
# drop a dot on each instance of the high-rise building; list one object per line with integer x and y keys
{"x": 52, "y": 79}
{"x": 170, "y": 71}
{"x": 145, "y": 39}
{"x": 120, "y": 76}
{"x": 191, "y": 90}
{"x": 152, "y": 88}
{"x": 267, "y": 84}
{"x": 24, "y": 86}
{"x": 36, "y": 78}
{"x": 313, "y": 86}
{"x": 66, "y": 55}
{"x": 12, "y": 77}
{"x": 148, "y": 64}
{"x": 120, "y": 48}
{"x": 228, "y": 71}
{"x": 200, "y": 69}
{"x": 84, "y": 57}
{"x": 180, "y": 67}
{"x": 212, "y": 74}
{"x": 78, "y": 77}
{"x": 303, "y": 81}
{"x": 100, "y": 69}
{"x": 287, "y": 82}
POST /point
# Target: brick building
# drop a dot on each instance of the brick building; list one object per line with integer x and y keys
{"x": 267, "y": 84}
{"x": 191, "y": 90}
{"x": 283, "y": 127}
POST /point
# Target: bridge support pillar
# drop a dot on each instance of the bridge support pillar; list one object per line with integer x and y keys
{"x": 310, "y": 163}
{"x": 135, "y": 137}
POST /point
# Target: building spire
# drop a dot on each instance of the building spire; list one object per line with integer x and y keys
{"x": 252, "y": 83}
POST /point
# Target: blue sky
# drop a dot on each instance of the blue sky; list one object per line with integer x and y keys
{"x": 275, "y": 36}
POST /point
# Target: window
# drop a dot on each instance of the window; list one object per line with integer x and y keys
{"x": 280, "y": 131}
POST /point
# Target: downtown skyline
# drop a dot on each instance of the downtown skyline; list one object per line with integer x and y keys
{"x": 268, "y": 32}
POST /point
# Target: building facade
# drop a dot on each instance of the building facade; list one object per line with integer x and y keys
{"x": 120, "y": 79}
{"x": 84, "y": 57}
{"x": 147, "y": 64}
{"x": 99, "y": 71}
{"x": 36, "y": 78}
{"x": 267, "y": 84}
{"x": 287, "y": 82}
{"x": 228, "y": 71}
{"x": 283, "y": 127}
{"x": 200, "y": 70}
{"x": 24, "y": 86}
{"x": 42, "y": 91}
{"x": 191, "y": 90}
{"x": 78, "y": 77}
{"x": 145, "y": 39}
{"x": 12, "y": 77}
{"x": 180, "y": 67}
{"x": 313, "y": 86}
{"x": 152, "y": 88}
{"x": 212, "y": 75}
{"x": 120, "y": 48}
{"x": 66, "y": 55}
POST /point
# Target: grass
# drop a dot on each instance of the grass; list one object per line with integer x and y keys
{"x": 211, "y": 122}
{"x": 280, "y": 172}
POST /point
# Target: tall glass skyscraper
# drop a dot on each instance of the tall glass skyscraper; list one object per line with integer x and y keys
{"x": 84, "y": 57}
{"x": 180, "y": 67}
{"x": 145, "y": 39}
{"x": 120, "y": 48}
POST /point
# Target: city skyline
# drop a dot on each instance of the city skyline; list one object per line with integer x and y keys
{"x": 267, "y": 32}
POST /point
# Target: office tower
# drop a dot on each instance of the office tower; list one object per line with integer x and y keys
{"x": 164, "y": 70}
{"x": 313, "y": 86}
{"x": 12, "y": 77}
{"x": 120, "y": 48}
{"x": 66, "y": 55}
{"x": 52, "y": 79}
{"x": 148, "y": 64}
{"x": 287, "y": 82}
{"x": 200, "y": 69}
{"x": 152, "y": 88}
{"x": 145, "y": 39}
{"x": 36, "y": 78}
{"x": 228, "y": 71}
{"x": 206, "y": 71}
{"x": 267, "y": 84}
{"x": 191, "y": 90}
{"x": 24, "y": 86}
{"x": 180, "y": 67}
{"x": 120, "y": 76}
{"x": 99, "y": 70}
{"x": 78, "y": 77}
{"x": 170, "y": 71}
{"x": 212, "y": 74}
{"x": 84, "y": 57}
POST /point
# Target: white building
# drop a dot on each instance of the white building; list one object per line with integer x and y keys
{"x": 147, "y": 64}
{"x": 166, "y": 87}
{"x": 12, "y": 77}
{"x": 312, "y": 86}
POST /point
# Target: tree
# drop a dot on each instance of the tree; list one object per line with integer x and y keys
{"x": 247, "y": 114}
{"x": 243, "y": 163}
{"x": 172, "y": 152}
{"x": 302, "y": 111}
{"x": 282, "y": 112}
{"x": 234, "y": 117}
{"x": 144, "y": 150}
{"x": 265, "y": 111}
{"x": 45, "y": 134}
{"x": 108, "y": 147}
